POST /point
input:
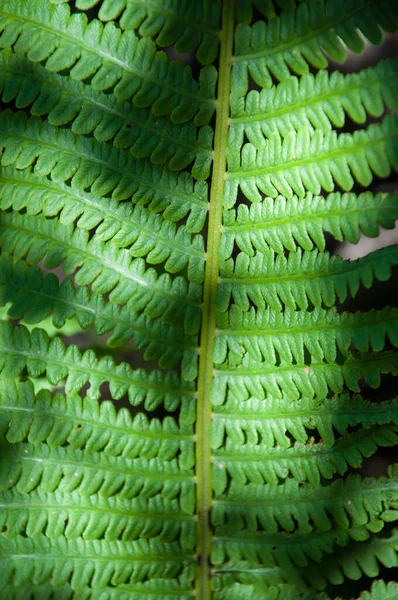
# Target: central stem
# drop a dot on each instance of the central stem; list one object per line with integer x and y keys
{"x": 203, "y": 452}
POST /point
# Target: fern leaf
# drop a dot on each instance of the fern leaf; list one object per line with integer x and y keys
{"x": 280, "y": 224}
{"x": 46, "y": 32}
{"x": 124, "y": 225}
{"x": 101, "y": 168}
{"x": 292, "y": 563}
{"x": 175, "y": 590}
{"x": 103, "y": 266}
{"x": 239, "y": 470}
{"x": 245, "y": 8}
{"x": 28, "y": 467}
{"x": 60, "y": 514}
{"x": 367, "y": 502}
{"x": 104, "y": 116}
{"x": 39, "y": 354}
{"x": 353, "y": 561}
{"x": 253, "y": 378}
{"x": 90, "y": 426}
{"x": 42, "y": 560}
{"x": 315, "y": 101}
{"x": 178, "y": 23}
{"x": 32, "y": 298}
{"x": 44, "y": 592}
{"x": 274, "y": 337}
{"x": 379, "y": 591}
{"x": 259, "y": 464}
{"x": 267, "y": 280}
{"x": 275, "y": 422}
{"x": 304, "y": 162}
{"x": 295, "y": 40}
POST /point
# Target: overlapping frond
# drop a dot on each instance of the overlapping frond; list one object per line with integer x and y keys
{"x": 245, "y": 8}
{"x": 57, "y": 420}
{"x": 26, "y": 466}
{"x": 367, "y": 502}
{"x": 379, "y": 591}
{"x": 180, "y": 23}
{"x": 97, "y": 563}
{"x": 101, "y": 168}
{"x": 254, "y": 378}
{"x": 130, "y": 66}
{"x": 105, "y": 267}
{"x": 283, "y": 338}
{"x": 33, "y": 297}
{"x": 88, "y": 111}
{"x": 74, "y": 516}
{"x": 122, "y": 225}
{"x": 291, "y": 563}
{"x": 311, "y": 462}
{"x": 79, "y": 471}
{"x": 39, "y": 354}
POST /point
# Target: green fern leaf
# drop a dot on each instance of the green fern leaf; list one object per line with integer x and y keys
{"x": 194, "y": 387}
{"x": 92, "y": 112}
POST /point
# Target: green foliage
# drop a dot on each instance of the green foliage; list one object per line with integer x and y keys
{"x": 186, "y": 408}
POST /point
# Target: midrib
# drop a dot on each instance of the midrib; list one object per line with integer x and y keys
{"x": 204, "y": 410}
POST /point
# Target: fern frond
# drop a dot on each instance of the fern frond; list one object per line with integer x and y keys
{"x": 296, "y": 40}
{"x": 114, "y": 453}
{"x": 236, "y": 590}
{"x": 319, "y": 378}
{"x": 31, "y": 466}
{"x": 314, "y": 101}
{"x": 174, "y": 589}
{"x": 179, "y": 23}
{"x": 305, "y": 508}
{"x": 123, "y": 225}
{"x": 120, "y": 61}
{"x": 304, "y": 278}
{"x": 381, "y": 591}
{"x": 94, "y": 517}
{"x": 61, "y": 561}
{"x": 105, "y": 170}
{"x": 303, "y": 162}
{"x": 32, "y": 298}
{"x": 277, "y": 421}
{"x": 259, "y": 464}
{"x": 237, "y": 470}
{"x": 282, "y": 338}
{"x": 280, "y": 224}
{"x": 39, "y": 354}
{"x": 37, "y": 592}
{"x": 357, "y": 559}
{"x": 281, "y": 558}
{"x": 105, "y": 267}
{"x": 253, "y": 565}
{"x": 88, "y": 425}
{"x": 87, "y": 111}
